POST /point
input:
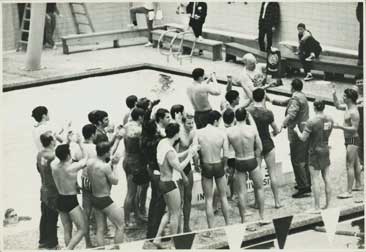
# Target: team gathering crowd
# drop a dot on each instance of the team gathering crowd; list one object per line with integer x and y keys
{"x": 162, "y": 148}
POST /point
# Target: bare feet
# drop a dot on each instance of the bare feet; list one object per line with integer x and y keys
{"x": 278, "y": 205}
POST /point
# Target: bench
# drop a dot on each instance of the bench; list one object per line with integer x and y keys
{"x": 224, "y": 36}
{"x": 326, "y": 50}
{"x": 205, "y": 44}
{"x": 93, "y": 38}
{"x": 233, "y": 50}
{"x": 328, "y": 64}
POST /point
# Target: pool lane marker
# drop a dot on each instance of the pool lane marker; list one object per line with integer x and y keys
{"x": 282, "y": 227}
{"x": 330, "y": 218}
{"x": 184, "y": 241}
{"x": 235, "y": 234}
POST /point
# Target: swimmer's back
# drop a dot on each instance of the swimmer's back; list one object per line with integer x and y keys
{"x": 98, "y": 179}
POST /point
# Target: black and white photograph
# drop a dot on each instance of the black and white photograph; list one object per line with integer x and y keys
{"x": 182, "y": 125}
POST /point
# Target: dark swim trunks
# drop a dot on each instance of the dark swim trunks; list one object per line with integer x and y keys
{"x": 213, "y": 170}
{"x": 167, "y": 186}
{"x": 319, "y": 161}
{"x": 66, "y": 203}
{"x": 352, "y": 141}
{"x": 187, "y": 169}
{"x": 247, "y": 165}
{"x": 101, "y": 203}
{"x": 267, "y": 146}
{"x": 231, "y": 162}
{"x": 201, "y": 118}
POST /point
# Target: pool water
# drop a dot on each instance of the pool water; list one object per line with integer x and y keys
{"x": 72, "y": 101}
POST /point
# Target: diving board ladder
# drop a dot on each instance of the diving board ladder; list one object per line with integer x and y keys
{"x": 81, "y": 18}
{"x": 24, "y": 28}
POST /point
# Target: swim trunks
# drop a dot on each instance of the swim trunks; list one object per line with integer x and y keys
{"x": 352, "y": 141}
{"x": 187, "y": 169}
{"x": 201, "y": 118}
{"x": 213, "y": 170}
{"x": 267, "y": 146}
{"x": 246, "y": 165}
{"x": 66, "y": 203}
{"x": 318, "y": 161}
{"x": 231, "y": 162}
{"x": 167, "y": 186}
{"x": 101, "y": 203}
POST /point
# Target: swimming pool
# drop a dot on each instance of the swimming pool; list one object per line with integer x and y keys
{"x": 73, "y": 100}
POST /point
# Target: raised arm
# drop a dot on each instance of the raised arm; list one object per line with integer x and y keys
{"x": 337, "y": 104}
{"x": 111, "y": 171}
{"x": 213, "y": 88}
{"x": 77, "y": 166}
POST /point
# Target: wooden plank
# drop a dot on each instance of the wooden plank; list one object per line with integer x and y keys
{"x": 167, "y": 37}
{"x": 329, "y": 64}
{"x": 224, "y": 36}
{"x": 326, "y": 50}
{"x": 102, "y": 36}
{"x": 239, "y": 50}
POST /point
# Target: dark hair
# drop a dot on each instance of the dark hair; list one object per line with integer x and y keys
{"x": 351, "y": 94}
{"x": 38, "y": 112}
{"x": 213, "y": 116}
{"x": 88, "y": 130}
{"x": 240, "y": 114}
{"x": 46, "y": 139}
{"x": 301, "y": 25}
{"x": 136, "y": 113}
{"x": 8, "y": 212}
{"x": 99, "y": 115}
{"x": 231, "y": 95}
{"x": 171, "y": 130}
{"x": 296, "y": 84}
{"x": 62, "y": 151}
{"x": 131, "y": 101}
{"x": 176, "y": 109}
{"x": 103, "y": 148}
{"x": 258, "y": 94}
{"x": 186, "y": 117}
{"x": 228, "y": 116}
{"x": 143, "y": 103}
{"x": 197, "y": 73}
{"x": 91, "y": 117}
{"x": 160, "y": 114}
{"x": 319, "y": 105}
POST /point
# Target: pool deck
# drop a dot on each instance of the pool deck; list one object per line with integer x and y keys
{"x": 60, "y": 66}
{"x": 56, "y": 65}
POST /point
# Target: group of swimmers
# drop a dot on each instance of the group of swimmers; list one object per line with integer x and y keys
{"x": 162, "y": 148}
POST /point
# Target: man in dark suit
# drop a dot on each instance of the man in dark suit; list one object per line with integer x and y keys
{"x": 269, "y": 18}
{"x": 198, "y": 13}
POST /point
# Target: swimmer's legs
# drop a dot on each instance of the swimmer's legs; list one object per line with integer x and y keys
{"x": 240, "y": 189}
{"x": 221, "y": 188}
{"x": 207, "y": 187}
